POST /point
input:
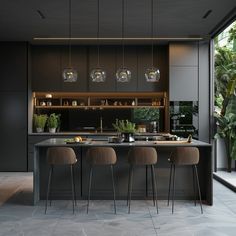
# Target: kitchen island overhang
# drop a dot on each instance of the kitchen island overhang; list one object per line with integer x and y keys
{"x": 142, "y": 177}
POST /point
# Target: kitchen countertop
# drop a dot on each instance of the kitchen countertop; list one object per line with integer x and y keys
{"x": 61, "y": 142}
{"x": 87, "y": 133}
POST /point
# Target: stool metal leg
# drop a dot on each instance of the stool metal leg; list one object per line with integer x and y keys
{"x": 72, "y": 188}
{"x": 73, "y": 171}
{"x": 89, "y": 188}
{"x": 50, "y": 196}
{"x": 154, "y": 185}
{"x": 199, "y": 191}
{"x": 49, "y": 184}
{"x": 130, "y": 185}
{"x": 169, "y": 184}
{"x": 194, "y": 186}
{"x": 153, "y": 191}
{"x": 113, "y": 186}
{"x": 173, "y": 190}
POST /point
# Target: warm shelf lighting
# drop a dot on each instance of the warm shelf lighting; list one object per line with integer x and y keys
{"x": 119, "y": 39}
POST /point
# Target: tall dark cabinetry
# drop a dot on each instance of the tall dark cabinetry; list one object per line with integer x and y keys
{"x": 13, "y": 112}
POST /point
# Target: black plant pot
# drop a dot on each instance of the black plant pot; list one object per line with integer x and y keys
{"x": 128, "y": 137}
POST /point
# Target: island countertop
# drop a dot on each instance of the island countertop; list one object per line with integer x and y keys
{"x": 142, "y": 189}
{"x": 62, "y": 142}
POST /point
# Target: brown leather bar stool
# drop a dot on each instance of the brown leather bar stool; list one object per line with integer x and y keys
{"x": 61, "y": 156}
{"x": 142, "y": 156}
{"x": 184, "y": 156}
{"x": 101, "y": 156}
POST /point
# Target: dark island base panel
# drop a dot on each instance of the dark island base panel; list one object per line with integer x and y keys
{"x": 102, "y": 185}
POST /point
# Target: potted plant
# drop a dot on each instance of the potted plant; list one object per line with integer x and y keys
{"x": 53, "y": 122}
{"x": 39, "y": 122}
{"x": 126, "y": 128}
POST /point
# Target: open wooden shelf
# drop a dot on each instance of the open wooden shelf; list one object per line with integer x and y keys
{"x": 100, "y": 100}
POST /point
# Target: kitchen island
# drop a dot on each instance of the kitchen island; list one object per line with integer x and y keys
{"x": 101, "y": 188}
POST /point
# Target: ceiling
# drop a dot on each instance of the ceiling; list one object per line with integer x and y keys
{"x": 20, "y": 20}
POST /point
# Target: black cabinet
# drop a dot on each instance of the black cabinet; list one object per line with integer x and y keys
{"x": 13, "y": 58}
{"x": 107, "y": 63}
{"x": 46, "y": 68}
{"x": 13, "y": 128}
{"x": 13, "y": 112}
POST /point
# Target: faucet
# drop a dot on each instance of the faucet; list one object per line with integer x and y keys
{"x": 101, "y": 129}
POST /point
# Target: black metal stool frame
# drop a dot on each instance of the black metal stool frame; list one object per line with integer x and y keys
{"x": 172, "y": 182}
{"x": 90, "y": 184}
{"x": 154, "y": 186}
{"x": 74, "y": 203}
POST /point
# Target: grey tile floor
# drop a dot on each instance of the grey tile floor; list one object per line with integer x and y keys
{"x": 19, "y": 217}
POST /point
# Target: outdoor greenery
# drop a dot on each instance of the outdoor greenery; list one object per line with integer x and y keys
{"x": 225, "y": 97}
{"x": 124, "y": 126}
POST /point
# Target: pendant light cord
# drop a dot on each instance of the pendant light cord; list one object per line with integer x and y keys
{"x": 152, "y": 28}
{"x": 69, "y": 42}
{"x": 123, "y": 44}
{"x": 98, "y": 35}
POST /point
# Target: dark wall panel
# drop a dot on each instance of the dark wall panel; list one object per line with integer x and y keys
{"x": 13, "y": 59}
{"x": 13, "y": 112}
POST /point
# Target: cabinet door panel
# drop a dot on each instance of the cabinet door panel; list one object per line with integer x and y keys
{"x": 13, "y": 128}
{"x": 183, "y": 83}
{"x": 79, "y": 63}
{"x": 130, "y": 62}
{"x": 184, "y": 54}
{"x": 13, "y": 65}
{"x": 46, "y": 69}
{"x": 108, "y": 63}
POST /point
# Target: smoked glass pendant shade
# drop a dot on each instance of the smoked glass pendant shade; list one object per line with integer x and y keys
{"x": 69, "y": 75}
{"x": 152, "y": 74}
{"x": 123, "y": 75}
{"x": 98, "y": 75}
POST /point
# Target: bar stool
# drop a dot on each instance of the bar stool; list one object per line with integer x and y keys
{"x": 61, "y": 156}
{"x": 184, "y": 156}
{"x": 142, "y": 156}
{"x": 101, "y": 156}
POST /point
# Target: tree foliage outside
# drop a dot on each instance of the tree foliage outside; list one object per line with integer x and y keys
{"x": 225, "y": 94}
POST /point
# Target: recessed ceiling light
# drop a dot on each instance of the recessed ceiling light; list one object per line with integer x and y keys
{"x": 41, "y": 14}
{"x": 207, "y": 14}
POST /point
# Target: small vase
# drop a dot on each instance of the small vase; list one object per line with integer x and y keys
{"x": 128, "y": 137}
{"x": 39, "y": 130}
{"x": 52, "y": 130}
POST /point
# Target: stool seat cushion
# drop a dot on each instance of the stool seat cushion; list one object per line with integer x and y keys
{"x": 61, "y": 156}
{"x": 101, "y": 156}
{"x": 185, "y": 156}
{"x": 142, "y": 156}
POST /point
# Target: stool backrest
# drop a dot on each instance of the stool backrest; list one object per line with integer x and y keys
{"x": 142, "y": 156}
{"x": 101, "y": 156}
{"x": 185, "y": 156}
{"x": 61, "y": 156}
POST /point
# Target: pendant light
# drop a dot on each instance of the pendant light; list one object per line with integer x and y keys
{"x": 123, "y": 74}
{"x": 152, "y": 74}
{"x": 69, "y": 74}
{"x": 98, "y": 75}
